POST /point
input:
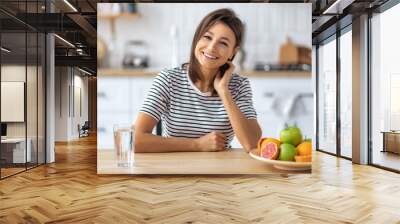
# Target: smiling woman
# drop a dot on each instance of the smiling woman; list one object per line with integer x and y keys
{"x": 201, "y": 104}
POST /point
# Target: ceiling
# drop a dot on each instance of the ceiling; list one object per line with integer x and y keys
{"x": 331, "y": 15}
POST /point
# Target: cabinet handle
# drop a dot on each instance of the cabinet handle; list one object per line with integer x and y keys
{"x": 101, "y": 95}
{"x": 268, "y": 94}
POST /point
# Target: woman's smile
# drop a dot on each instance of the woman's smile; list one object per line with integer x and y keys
{"x": 210, "y": 56}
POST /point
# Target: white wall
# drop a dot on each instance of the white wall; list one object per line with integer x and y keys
{"x": 79, "y": 117}
{"x": 267, "y": 28}
{"x": 12, "y": 100}
{"x": 61, "y": 103}
{"x": 33, "y": 126}
{"x": 68, "y": 83}
{"x": 16, "y": 73}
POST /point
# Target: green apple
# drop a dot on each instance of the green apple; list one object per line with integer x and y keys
{"x": 288, "y": 152}
{"x": 291, "y": 135}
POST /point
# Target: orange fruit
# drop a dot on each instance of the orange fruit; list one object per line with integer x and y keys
{"x": 306, "y": 158}
{"x": 304, "y": 148}
{"x": 263, "y": 142}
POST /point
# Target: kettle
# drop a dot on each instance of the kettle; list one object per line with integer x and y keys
{"x": 136, "y": 54}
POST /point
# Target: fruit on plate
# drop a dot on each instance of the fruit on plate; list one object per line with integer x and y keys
{"x": 306, "y": 158}
{"x": 287, "y": 152}
{"x": 291, "y": 135}
{"x": 270, "y": 151}
{"x": 263, "y": 141}
{"x": 304, "y": 148}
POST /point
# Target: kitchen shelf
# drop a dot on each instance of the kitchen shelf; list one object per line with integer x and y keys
{"x": 154, "y": 72}
{"x": 126, "y": 72}
{"x": 119, "y": 16}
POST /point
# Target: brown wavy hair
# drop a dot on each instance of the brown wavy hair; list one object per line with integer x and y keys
{"x": 226, "y": 16}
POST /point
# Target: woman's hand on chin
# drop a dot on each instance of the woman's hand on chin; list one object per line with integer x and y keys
{"x": 221, "y": 81}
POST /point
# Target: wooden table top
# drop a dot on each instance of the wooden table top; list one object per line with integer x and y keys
{"x": 234, "y": 161}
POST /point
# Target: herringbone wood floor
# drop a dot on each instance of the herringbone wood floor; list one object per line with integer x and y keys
{"x": 70, "y": 191}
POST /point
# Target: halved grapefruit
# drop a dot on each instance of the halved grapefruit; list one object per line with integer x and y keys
{"x": 270, "y": 151}
{"x": 263, "y": 141}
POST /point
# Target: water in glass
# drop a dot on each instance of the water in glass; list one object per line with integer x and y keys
{"x": 124, "y": 145}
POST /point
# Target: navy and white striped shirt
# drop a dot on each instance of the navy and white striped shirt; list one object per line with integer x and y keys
{"x": 187, "y": 112}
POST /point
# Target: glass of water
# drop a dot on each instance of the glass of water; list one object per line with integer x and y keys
{"x": 124, "y": 144}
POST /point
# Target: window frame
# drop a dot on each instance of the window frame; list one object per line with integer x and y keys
{"x": 334, "y": 37}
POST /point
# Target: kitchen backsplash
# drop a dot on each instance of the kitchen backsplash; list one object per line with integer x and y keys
{"x": 168, "y": 30}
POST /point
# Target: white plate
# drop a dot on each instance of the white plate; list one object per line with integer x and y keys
{"x": 283, "y": 165}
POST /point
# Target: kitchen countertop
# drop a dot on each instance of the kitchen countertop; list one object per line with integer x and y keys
{"x": 234, "y": 161}
{"x": 153, "y": 72}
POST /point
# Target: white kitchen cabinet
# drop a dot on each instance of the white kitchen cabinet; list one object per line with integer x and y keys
{"x": 140, "y": 86}
{"x": 282, "y": 100}
{"x": 105, "y": 124}
{"x": 114, "y": 94}
{"x": 119, "y": 101}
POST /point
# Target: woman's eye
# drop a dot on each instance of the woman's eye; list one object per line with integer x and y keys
{"x": 224, "y": 43}
{"x": 207, "y": 37}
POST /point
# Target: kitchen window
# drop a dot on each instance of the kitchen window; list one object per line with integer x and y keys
{"x": 334, "y": 71}
{"x": 385, "y": 89}
{"x": 327, "y": 96}
{"x": 346, "y": 92}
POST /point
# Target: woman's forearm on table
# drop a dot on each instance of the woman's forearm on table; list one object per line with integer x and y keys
{"x": 146, "y": 142}
{"x": 248, "y": 133}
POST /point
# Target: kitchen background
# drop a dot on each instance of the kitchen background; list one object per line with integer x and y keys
{"x": 135, "y": 41}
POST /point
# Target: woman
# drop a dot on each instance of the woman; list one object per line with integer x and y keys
{"x": 202, "y": 105}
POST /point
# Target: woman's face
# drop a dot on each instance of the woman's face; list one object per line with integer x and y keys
{"x": 215, "y": 46}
